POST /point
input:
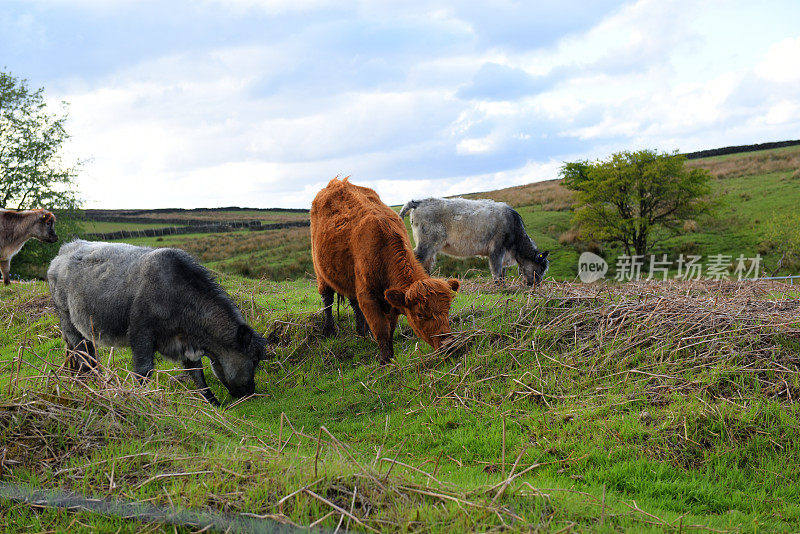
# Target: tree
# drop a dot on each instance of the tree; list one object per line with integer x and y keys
{"x": 782, "y": 234}
{"x": 636, "y": 199}
{"x": 32, "y": 171}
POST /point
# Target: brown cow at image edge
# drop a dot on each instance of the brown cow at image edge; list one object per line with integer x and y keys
{"x": 16, "y": 227}
{"x": 361, "y": 250}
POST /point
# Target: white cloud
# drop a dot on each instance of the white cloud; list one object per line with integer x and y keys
{"x": 275, "y": 6}
{"x": 785, "y": 111}
{"x": 475, "y": 146}
{"x": 374, "y": 89}
{"x": 782, "y": 62}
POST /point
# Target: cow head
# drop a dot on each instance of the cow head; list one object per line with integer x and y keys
{"x": 533, "y": 268}
{"x": 426, "y": 305}
{"x": 235, "y": 366}
{"x": 44, "y": 229}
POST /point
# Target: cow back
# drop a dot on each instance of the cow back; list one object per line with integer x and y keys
{"x": 358, "y": 240}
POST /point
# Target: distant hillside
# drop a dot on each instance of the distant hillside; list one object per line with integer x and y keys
{"x": 739, "y": 149}
{"x": 196, "y": 215}
{"x": 753, "y": 188}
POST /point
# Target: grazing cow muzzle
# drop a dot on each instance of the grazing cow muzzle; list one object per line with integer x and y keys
{"x": 442, "y": 341}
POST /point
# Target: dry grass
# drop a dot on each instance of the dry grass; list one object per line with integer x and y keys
{"x": 749, "y": 164}
{"x": 225, "y": 216}
{"x": 550, "y": 195}
{"x": 211, "y": 215}
{"x": 570, "y": 237}
{"x": 748, "y": 327}
{"x": 272, "y": 254}
{"x": 568, "y": 352}
{"x": 58, "y": 428}
{"x": 215, "y": 247}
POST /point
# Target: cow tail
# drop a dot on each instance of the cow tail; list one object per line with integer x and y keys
{"x": 410, "y": 205}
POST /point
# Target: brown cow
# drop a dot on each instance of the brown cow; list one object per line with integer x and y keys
{"x": 16, "y": 227}
{"x": 361, "y": 250}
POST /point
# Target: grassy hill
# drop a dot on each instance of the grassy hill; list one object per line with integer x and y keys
{"x": 645, "y": 407}
{"x": 753, "y": 190}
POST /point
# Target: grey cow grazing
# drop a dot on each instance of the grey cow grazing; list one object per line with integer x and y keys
{"x": 152, "y": 299}
{"x": 464, "y": 228}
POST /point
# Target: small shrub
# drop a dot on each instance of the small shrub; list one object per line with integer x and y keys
{"x": 569, "y": 237}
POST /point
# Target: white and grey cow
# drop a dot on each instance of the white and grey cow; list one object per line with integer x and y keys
{"x": 464, "y": 228}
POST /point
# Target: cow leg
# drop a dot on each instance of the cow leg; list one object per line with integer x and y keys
{"x": 83, "y": 356}
{"x": 361, "y": 323}
{"x": 81, "y": 353}
{"x": 143, "y": 348}
{"x": 393, "y": 316}
{"x": 5, "y": 268}
{"x": 426, "y": 256}
{"x": 195, "y": 372}
{"x": 380, "y": 326}
{"x": 496, "y": 266}
{"x": 329, "y": 328}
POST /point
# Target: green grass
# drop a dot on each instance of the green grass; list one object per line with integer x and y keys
{"x": 673, "y": 401}
{"x": 105, "y": 227}
{"x": 272, "y": 254}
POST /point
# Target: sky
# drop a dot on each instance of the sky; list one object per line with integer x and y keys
{"x": 259, "y": 103}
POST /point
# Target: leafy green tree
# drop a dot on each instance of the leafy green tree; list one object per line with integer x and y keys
{"x": 636, "y": 199}
{"x": 33, "y": 173}
{"x": 782, "y": 234}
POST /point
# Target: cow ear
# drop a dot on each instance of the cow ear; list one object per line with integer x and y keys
{"x": 454, "y": 284}
{"x": 395, "y": 297}
{"x": 244, "y": 335}
{"x": 543, "y": 255}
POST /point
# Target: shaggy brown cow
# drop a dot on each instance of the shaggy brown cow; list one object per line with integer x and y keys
{"x": 361, "y": 250}
{"x": 16, "y": 227}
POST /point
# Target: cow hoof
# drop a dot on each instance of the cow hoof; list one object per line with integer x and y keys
{"x": 329, "y": 331}
{"x": 363, "y": 332}
{"x": 79, "y": 366}
{"x": 82, "y": 371}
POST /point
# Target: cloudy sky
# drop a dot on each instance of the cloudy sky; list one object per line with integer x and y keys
{"x": 193, "y": 103}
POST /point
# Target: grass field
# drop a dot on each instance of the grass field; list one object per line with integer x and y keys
{"x": 179, "y": 217}
{"x": 104, "y": 227}
{"x": 645, "y": 407}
